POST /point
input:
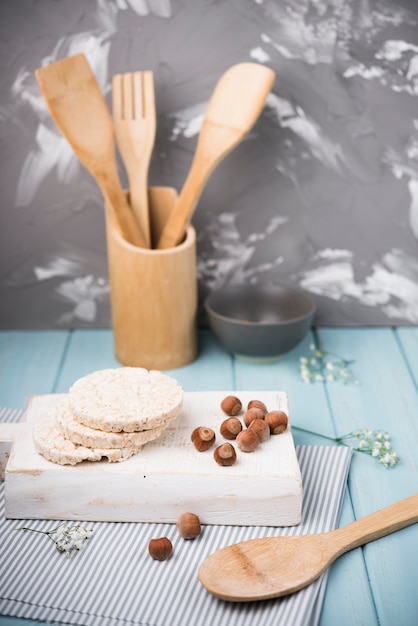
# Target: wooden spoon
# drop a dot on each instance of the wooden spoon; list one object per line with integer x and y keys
{"x": 234, "y": 107}
{"x": 79, "y": 109}
{"x": 259, "y": 569}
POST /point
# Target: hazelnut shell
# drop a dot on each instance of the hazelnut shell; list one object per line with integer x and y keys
{"x": 257, "y": 404}
{"x": 203, "y": 438}
{"x": 247, "y": 440}
{"x": 231, "y": 405}
{"x": 252, "y": 414}
{"x": 277, "y": 421}
{"x": 230, "y": 428}
{"x": 188, "y": 525}
{"x": 160, "y": 549}
{"x": 225, "y": 454}
{"x": 261, "y": 429}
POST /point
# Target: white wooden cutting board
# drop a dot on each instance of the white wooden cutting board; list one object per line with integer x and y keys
{"x": 166, "y": 478}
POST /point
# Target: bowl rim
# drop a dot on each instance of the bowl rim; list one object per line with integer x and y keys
{"x": 233, "y": 320}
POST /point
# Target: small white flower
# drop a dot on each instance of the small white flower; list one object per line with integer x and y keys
{"x": 66, "y": 538}
{"x": 329, "y": 365}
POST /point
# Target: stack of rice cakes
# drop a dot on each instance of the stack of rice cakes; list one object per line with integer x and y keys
{"x": 109, "y": 414}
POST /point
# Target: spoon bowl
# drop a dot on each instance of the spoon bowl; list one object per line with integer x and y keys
{"x": 270, "y": 567}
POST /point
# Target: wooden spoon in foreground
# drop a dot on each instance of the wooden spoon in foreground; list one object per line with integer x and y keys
{"x": 79, "y": 109}
{"x": 234, "y": 107}
{"x": 259, "y": 569}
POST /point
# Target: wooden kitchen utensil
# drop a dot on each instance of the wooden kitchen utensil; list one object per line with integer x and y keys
{"x": 259, "y": 569}
{"x": 135, "y": 123}
{"x": 79, "y": 109}
{"x": 234, "y": 107}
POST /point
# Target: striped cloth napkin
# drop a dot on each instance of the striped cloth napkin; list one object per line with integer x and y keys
{"x": 113, "y": 581}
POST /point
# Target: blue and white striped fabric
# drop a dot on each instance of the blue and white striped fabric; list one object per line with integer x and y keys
{"x": 113, "y": 581}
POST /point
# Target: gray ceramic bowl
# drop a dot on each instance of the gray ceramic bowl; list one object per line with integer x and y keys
{"x": 259, "y": 322}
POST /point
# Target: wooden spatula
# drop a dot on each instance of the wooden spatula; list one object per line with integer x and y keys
{"x": 79, "y": 109}
{"x": 259, "y": 569}
{"x": 234, "y": 107}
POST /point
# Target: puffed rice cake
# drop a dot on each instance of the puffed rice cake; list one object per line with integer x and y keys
{"x": 83, "y": 435}
{"x": 125, "y": 399}
{"x": 54, "y": 446}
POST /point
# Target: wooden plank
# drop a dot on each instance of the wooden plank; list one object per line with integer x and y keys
{"x": 408, "y": 339}
{"x": 90, "y": 350}
{"x": 348, "y": 599}
{"x": 385, "y": 399}
{"x": 212, "y": 370}
{"x": 348, "y": 592}
{"x": 30, "y": 361}
{"x": 87, "y": 351}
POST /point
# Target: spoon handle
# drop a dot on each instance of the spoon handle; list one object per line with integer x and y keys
{"x": 376, "y": 525}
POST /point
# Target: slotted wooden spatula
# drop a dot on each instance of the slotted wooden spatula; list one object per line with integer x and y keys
{"x": 234, "y": 107}
{"x": 259, "y": 569}
{"x": 79, "y": 110}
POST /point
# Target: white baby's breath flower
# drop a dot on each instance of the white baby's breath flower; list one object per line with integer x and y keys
{"x": 314, "y": 367}
{"x": 376, "y": 443}
{"x": 66, "y": 538}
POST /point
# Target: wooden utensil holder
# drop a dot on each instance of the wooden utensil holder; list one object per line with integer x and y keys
{"x": 153, "y": 294}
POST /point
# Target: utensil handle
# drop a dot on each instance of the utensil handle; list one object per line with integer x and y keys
{"x": 138, "y": 192}
{"x": 185, "y": 205}
{"x": 121, "y": 214}
{"x": 376, "y": 525}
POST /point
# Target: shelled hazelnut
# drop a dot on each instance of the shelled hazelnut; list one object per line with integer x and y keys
{"x": 261, "y": 429}
{"x": 231, "y": 405}
{"x": 257, "y": 404}
{"x": 203, "y": 438}
{"x": 230, "y": 428}
{"x": 189, "y": 526}
{"x": 225, "y": 454}
{"x": 252, "y": 414}
{"x": 247, "y": 440}
{"x": 160, "y": 549}
{"x": 277, "y": 421}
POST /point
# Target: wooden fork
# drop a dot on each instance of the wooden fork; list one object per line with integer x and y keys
{"x": 135, "y": 124}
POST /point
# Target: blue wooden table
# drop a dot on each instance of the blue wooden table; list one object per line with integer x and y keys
{"x": 374, "y": 585}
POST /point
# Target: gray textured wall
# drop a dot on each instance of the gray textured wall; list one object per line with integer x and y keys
{"x": 323, "y": 193}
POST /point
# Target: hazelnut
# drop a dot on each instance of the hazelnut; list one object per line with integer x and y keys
{"x": 231, "y": 427}
{"x": 203, "y": 438}
{"x": 225, "y": 454}
{"x": 277, "y": 421}
{"x": 248, "y": 441}
{"x": 188, "y": 525}
{"x": 261, "y": 429}
{"x": 160, "y": 549}
{"x": 231, "y": 405}
{"x": 257, "y": 404}
{"x": 252, "y": 414}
